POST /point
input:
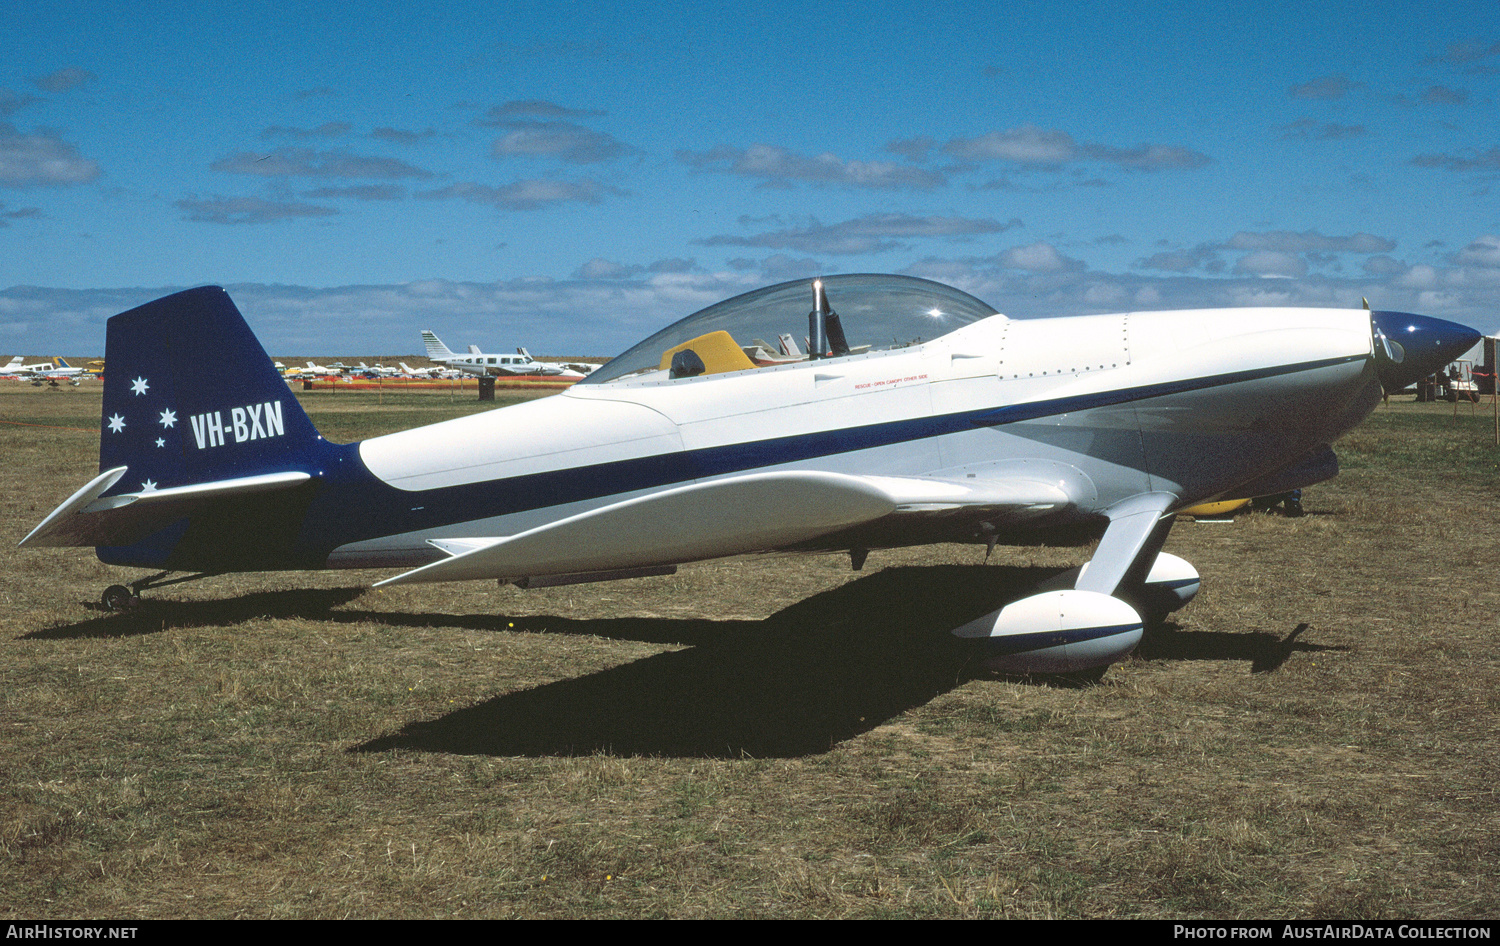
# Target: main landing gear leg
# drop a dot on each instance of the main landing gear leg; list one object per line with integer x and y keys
{"x": 1086, "y": 627}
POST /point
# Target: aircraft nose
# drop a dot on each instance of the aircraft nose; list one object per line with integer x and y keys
{"x": 1410, "y": 347}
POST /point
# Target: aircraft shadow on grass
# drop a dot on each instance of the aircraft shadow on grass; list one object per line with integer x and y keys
{"x": 807, "y": 678}
{"x": 813, "y": 675}
{"x": 159, "y": 615}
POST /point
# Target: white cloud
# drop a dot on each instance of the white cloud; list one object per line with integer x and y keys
{"x": 1442, "y": 95}
{"x": 1039, "y": 258}
{"x": 1050, "y": 147}
{"x": 64, "y": 79}
{"x": 872, "y": 233}
{"x": 534, "y": 108}
{"x": 1179, "y": 261}
{"x": 1147, "y": 157}
{"x": 358, "y": 192}
{"x": 41, "y": 160}
{"x": 1484, "y": 251}
{"x": 532, "y": 194}
{"x": 562, "y": 140}
{"x": 401, "y": 136}
{"x": 1307, "y": 129}
{"x": 779, "y": 166}
{"x": 1383, "y": 266}
{"x": 12, "y": 102}
{"x": 1309, "y": 241}
{"x": 1328, "y": 87}
{"x": 779, "y": 267}
{"x": 1476, "y": 161}
{"x": 604, "y": 269}
{"x": 325, "y": 130}
{"x": 305, "y": 162}
{"x": 1025, "y": 145}
{"x": 1271, "y": 263}
{"x": 236, "y": 210}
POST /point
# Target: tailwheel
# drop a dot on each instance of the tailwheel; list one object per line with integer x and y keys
{"x": 119, "y": 598}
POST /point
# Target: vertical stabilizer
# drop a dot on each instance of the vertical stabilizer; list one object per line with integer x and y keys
{"x": 190, "y": 397}
{"x": 436, "y": 350}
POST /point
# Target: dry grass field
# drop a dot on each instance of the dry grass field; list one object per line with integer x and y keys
{"x": 772, "y": 738}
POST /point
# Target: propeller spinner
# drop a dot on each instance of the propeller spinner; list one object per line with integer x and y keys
{"x": 1410, "y": 347}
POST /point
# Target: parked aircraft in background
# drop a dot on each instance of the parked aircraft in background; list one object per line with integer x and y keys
{"x": 918, "y": 415}
{"x": 375, "y": 371}
{"x": 57, "y": 369}
{"x": 433, "y": 371}
{"x": 481, "y": 363}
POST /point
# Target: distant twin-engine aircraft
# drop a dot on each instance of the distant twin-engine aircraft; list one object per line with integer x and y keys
{"x": 916, "y": 415}
{"x": 480, "y": 363}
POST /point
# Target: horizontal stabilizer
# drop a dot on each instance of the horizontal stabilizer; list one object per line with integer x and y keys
{"x": 734, "y": 516}
{"x": 88, "y": 520}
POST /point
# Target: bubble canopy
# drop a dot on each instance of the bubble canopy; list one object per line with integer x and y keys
{"x": 771, "y": 326}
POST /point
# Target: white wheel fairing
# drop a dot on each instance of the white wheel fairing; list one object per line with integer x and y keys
{"x": 1174, "y": 576}
{"x": 1056, "y": 632}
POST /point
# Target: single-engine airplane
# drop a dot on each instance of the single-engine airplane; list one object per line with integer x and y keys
{"x": 914, "y": 413}
{"x": 55, "y": 370}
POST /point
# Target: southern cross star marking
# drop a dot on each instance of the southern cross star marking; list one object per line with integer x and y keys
{"x": 116, "y": 423}
{"x": 149, "y": 486}
{"x": 139, "y": 386}
{"x": 168, "y": 418}
{"x": 160, "y": 442}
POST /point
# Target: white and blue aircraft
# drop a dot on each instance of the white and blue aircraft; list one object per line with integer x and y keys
{"x": 520, "y": 364}
{"x": 55, "y": 370}
{"x": 918, "y": 415}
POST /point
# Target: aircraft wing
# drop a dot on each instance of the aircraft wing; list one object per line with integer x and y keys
{"x": 86, "y": 519}
{"x": 739, "y": 515}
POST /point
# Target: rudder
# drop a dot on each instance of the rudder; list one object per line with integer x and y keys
{"x": 190, "y": 396}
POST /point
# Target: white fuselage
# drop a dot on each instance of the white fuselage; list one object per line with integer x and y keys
{"x": 1193, "y": 403}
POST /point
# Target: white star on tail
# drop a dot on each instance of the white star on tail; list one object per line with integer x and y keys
{"x": 149, "y": 486}
{"x": 168, "y": 418}
{"x": 116, "y": 423}
{"x": 139, "y": 386}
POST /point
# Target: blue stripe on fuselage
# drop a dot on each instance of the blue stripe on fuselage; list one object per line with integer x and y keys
{"x": 342, "y": 514}
{"x": 1082, "y": 402}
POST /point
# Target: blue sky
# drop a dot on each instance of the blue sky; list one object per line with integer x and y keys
{"x": 572, "y": 177}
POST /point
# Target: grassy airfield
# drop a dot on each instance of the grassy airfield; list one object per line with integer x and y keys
{"x": 773, "y": 738}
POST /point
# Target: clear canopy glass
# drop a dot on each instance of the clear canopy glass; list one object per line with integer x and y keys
{"x": 771, "y": 326}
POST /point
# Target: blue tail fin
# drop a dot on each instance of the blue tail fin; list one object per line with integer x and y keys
{"x": 191, "y": 400}
{"x": 190, "y": 397}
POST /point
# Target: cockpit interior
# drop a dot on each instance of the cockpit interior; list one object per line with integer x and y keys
{"x": 809, "y": 320}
